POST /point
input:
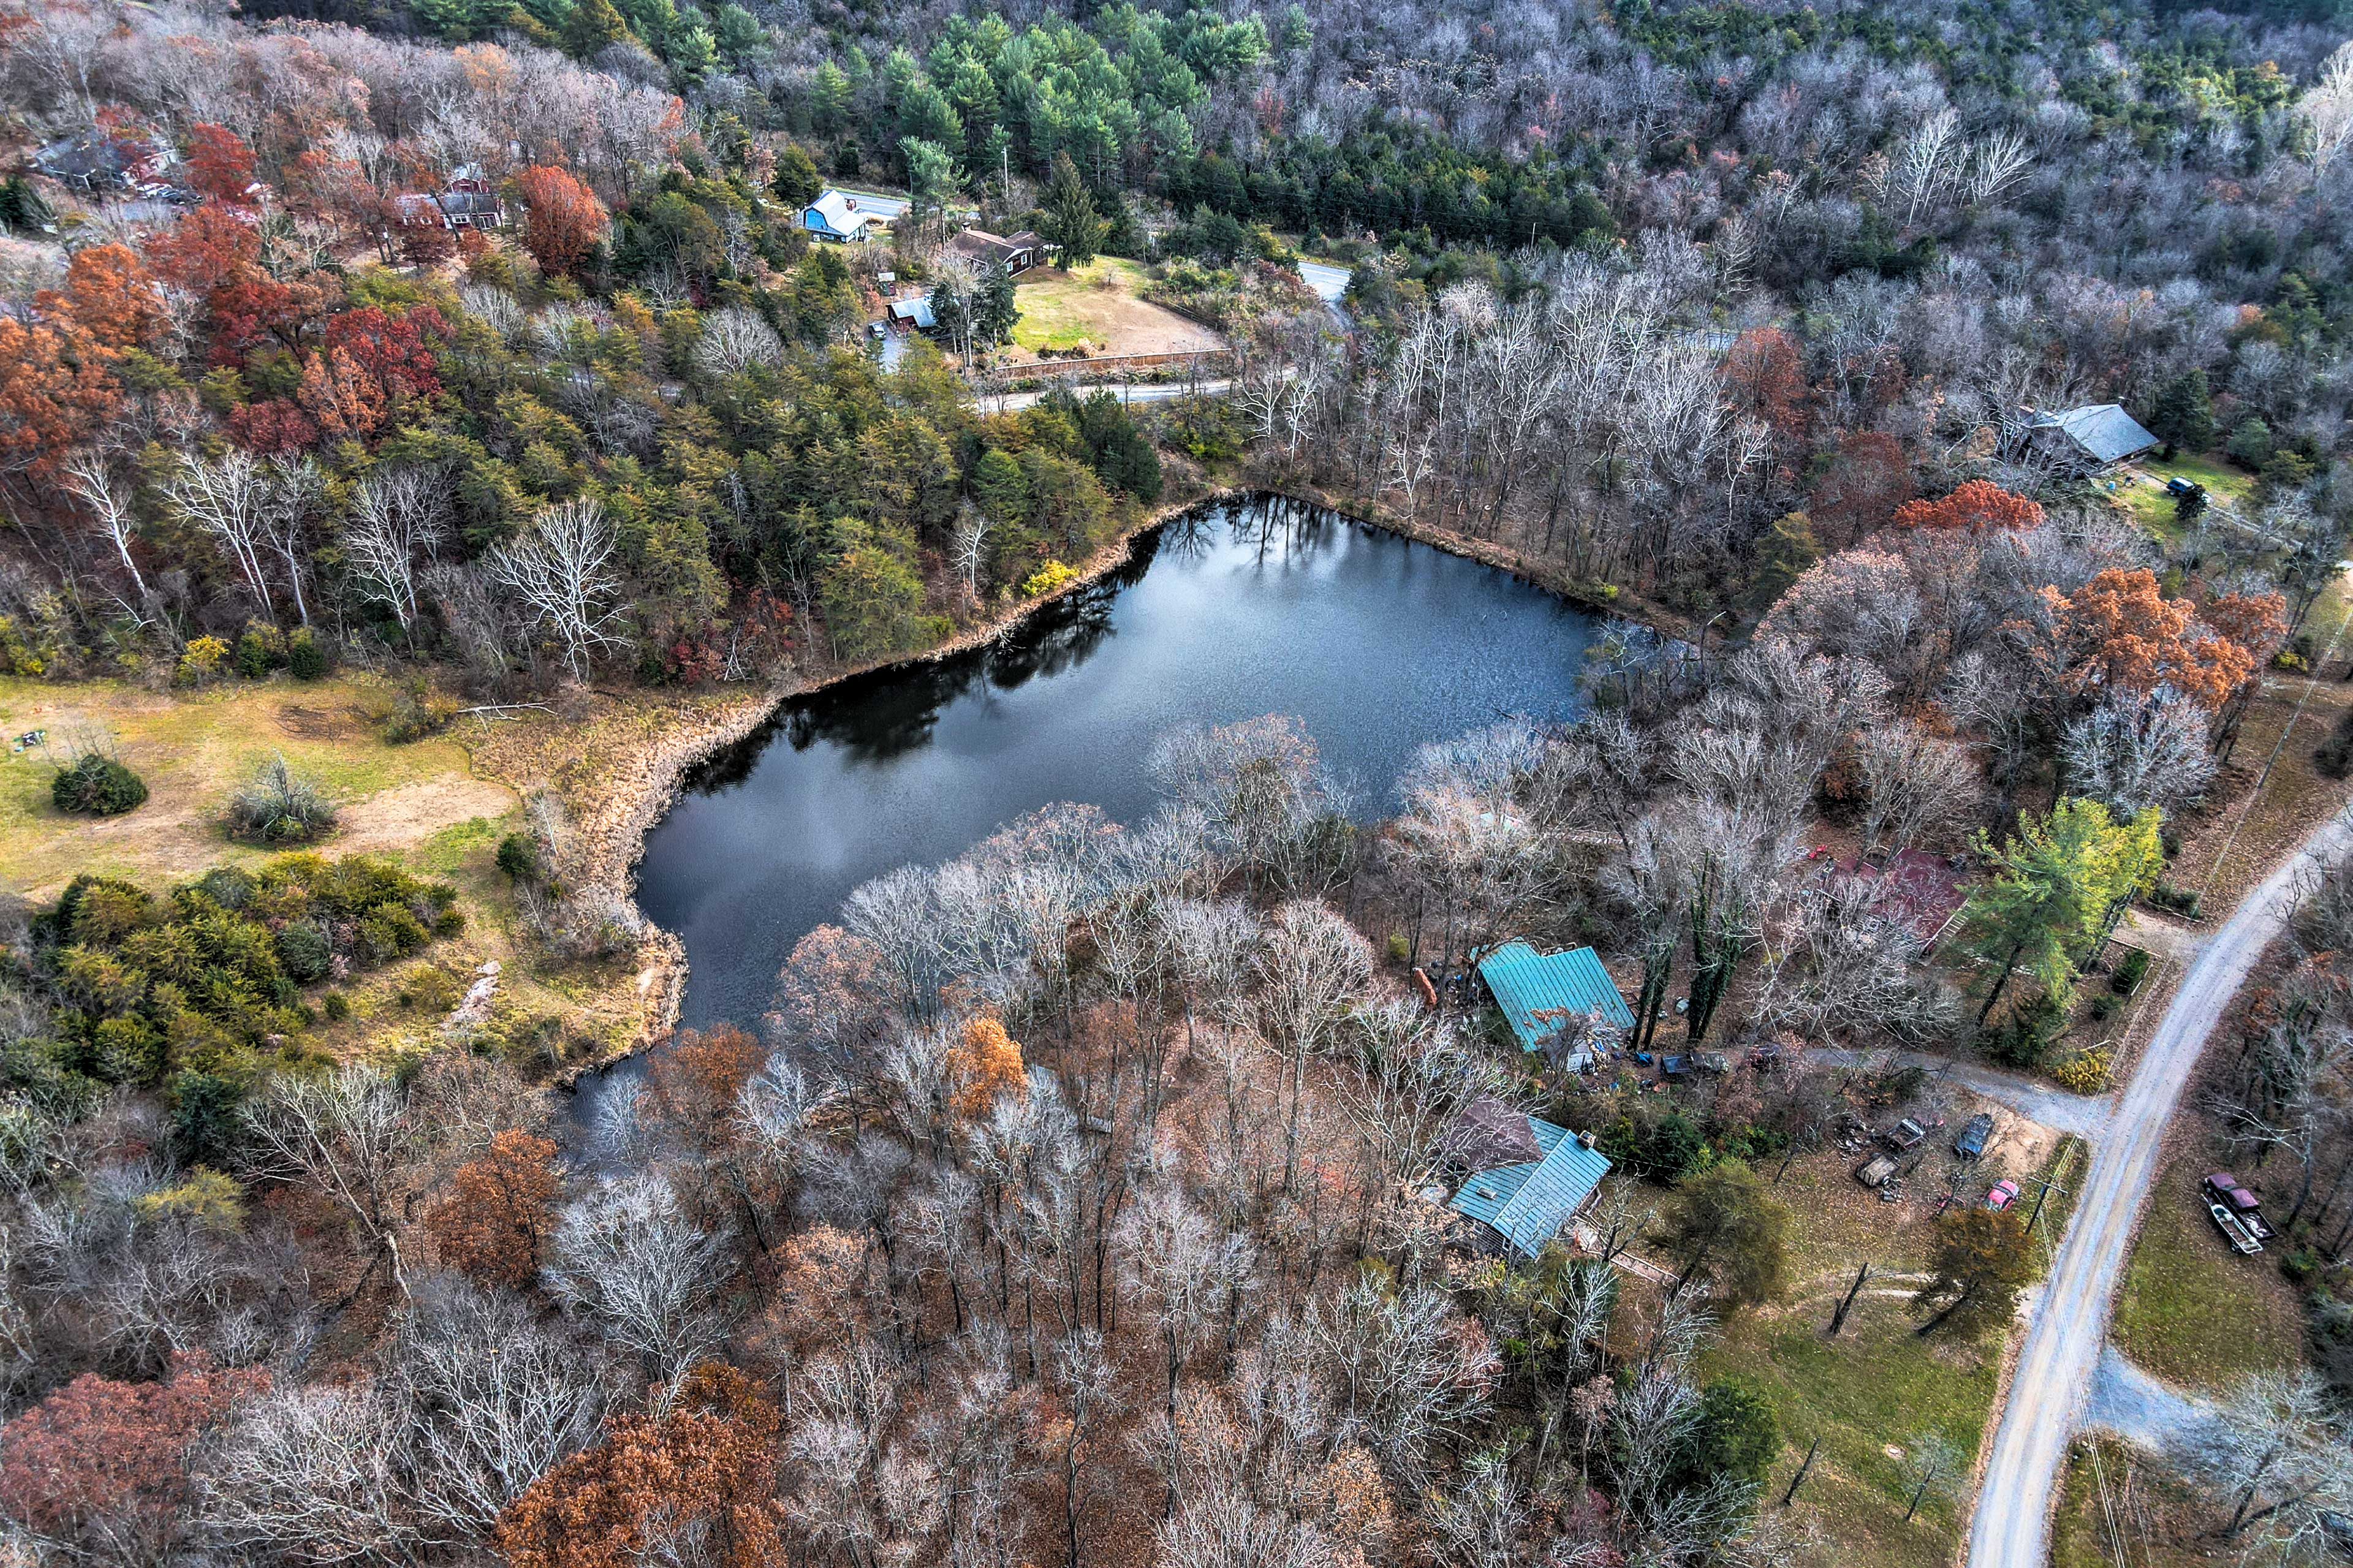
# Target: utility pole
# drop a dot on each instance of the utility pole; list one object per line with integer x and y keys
{"x": 2046, "y": 1187}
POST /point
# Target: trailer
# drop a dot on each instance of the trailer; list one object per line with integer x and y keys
{"x": 1874, "y": 1172}
{"x": 2242, "y": 1241}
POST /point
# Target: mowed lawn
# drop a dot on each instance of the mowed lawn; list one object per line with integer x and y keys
{"x": 2191, "y": 1311}
{"x": 1095, "y": 307}
{"x": 2140, "y": 488}
{"x": 1872, "y": 1389}
{"x": 194, "y": 750}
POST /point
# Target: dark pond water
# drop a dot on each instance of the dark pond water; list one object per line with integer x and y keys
{"x": 1237, "y": 609}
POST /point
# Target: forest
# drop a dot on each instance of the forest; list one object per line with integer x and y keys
{"x": 1070, "y": 1202}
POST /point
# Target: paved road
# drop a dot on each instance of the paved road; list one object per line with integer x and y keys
{"x": 1145, "y": 391}
{"x": 2048, "y": 1390}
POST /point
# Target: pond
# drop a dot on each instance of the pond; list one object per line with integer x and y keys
{"x": 1235, "y": 609}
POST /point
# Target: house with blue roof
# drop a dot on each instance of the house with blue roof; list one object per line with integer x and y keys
{"x": 1528, "y": 1177}
{"x": 1555, "y": 1001}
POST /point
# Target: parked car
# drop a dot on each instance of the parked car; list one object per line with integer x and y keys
{"x": 1975, "y": 1136}
{"x": 2004, "y": 1193}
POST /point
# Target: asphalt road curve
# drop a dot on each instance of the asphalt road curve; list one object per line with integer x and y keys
{"x": 2070, "y": 1325}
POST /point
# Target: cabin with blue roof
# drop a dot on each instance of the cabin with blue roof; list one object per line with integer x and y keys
{"x": 1527, "y": 1180}
{"x": 1548, "y": 995}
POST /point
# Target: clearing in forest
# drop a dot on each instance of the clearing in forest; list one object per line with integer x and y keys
{"x": 1095, "y": 307}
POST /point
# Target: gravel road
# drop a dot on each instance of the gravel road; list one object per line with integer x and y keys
{"x": 2069, "y": 1326}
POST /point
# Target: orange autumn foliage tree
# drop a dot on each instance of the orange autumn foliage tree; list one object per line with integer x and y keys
{"x": 103, "y": 1465}
{"x": 57, "y": 390}
{"x": 490, "y": 1224}
{"x": 694, "y": 1084}
{"x": 2119, "y": 632}
{"x": 1977, "y": 506}
{"x": 563, "y": 218}
{"x": 705, "y": 1469}
{"x": 984, "y": 1063}
{"x": 109, "y": 294}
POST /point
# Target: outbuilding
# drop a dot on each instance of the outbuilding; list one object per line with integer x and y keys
{"x": 1552, "y": 997}
{"x": 2090, "y": 439}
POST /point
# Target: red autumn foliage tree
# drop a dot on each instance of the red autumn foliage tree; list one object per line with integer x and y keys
{"x": 562, "y": 219}
{"x": 1767, "y": 378}
{"x": 220, "y": 165}
{"x": 1866, "y": 483}
{"x": 275, "y": 426}
{"x": 2119, "y": 632}
{"x": 207, "y": 250}
{"x": 342, "y": 400}
{"x": 104, "y": 1465}
{"x": 1977, "y": 506}
{"x": 496, "y": 1213}
{"x": 706, "y": 1468}
{"x": 396, "y": 351}
{"x": 983, "y": 1064}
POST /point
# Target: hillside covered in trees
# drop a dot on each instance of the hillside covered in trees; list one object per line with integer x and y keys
{"x": 1071, "y": 1202}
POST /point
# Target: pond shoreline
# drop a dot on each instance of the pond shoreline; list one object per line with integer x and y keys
{"x": 651, "y": 783}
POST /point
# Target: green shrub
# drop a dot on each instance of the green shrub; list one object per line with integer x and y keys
{"x": 279, "y": 806}
{"x": 2101, "y": 1005}
{"x": 2131, "y": 969}
{"x": 2026, "y": 1036}
{"x": 303, "y": 952}
{"x": 2334, "y": 757}
{"x": 519, "y": 857}
{"x": 96, "y": 785}
{"x": 2174, "y": 900}
{"x": 417, "y": 712}
{"x": 1400, "y": 949}
{"x": 336, "y": 1006}
{"x": 305, "y": 660}
{"x": 390, "y": 930}
{"x": 200, "y": 661}
{"x": 261, "y": 650}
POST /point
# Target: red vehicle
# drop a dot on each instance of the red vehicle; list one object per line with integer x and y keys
{"x": 2005, "y": 1193}
{"x": 2223, "y": 1189}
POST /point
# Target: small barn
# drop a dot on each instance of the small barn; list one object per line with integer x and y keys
{"x": 911, "y": 315}
{"x": 1541, "y": 1175}
{"x": 2090, "y": 439}
{"x": 1548, "y": 995}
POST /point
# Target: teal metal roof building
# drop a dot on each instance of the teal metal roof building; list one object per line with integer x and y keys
{"x": 1539, "y": 992}
{"x": 1527, "y": 1205}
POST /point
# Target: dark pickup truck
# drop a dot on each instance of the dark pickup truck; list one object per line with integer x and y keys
{"x": 1975, "y": 1136}
{"x": 2223, "y": 1189}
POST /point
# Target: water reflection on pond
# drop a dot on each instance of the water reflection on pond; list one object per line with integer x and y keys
{"x": 1237, "y": 609}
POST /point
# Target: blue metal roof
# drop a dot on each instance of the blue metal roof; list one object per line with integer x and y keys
{"x": 1539, "y": 992}
{"x": 1528, "y": 1204}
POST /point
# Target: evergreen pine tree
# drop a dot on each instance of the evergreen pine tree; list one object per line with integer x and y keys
{"x": 1072, "y": 225}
